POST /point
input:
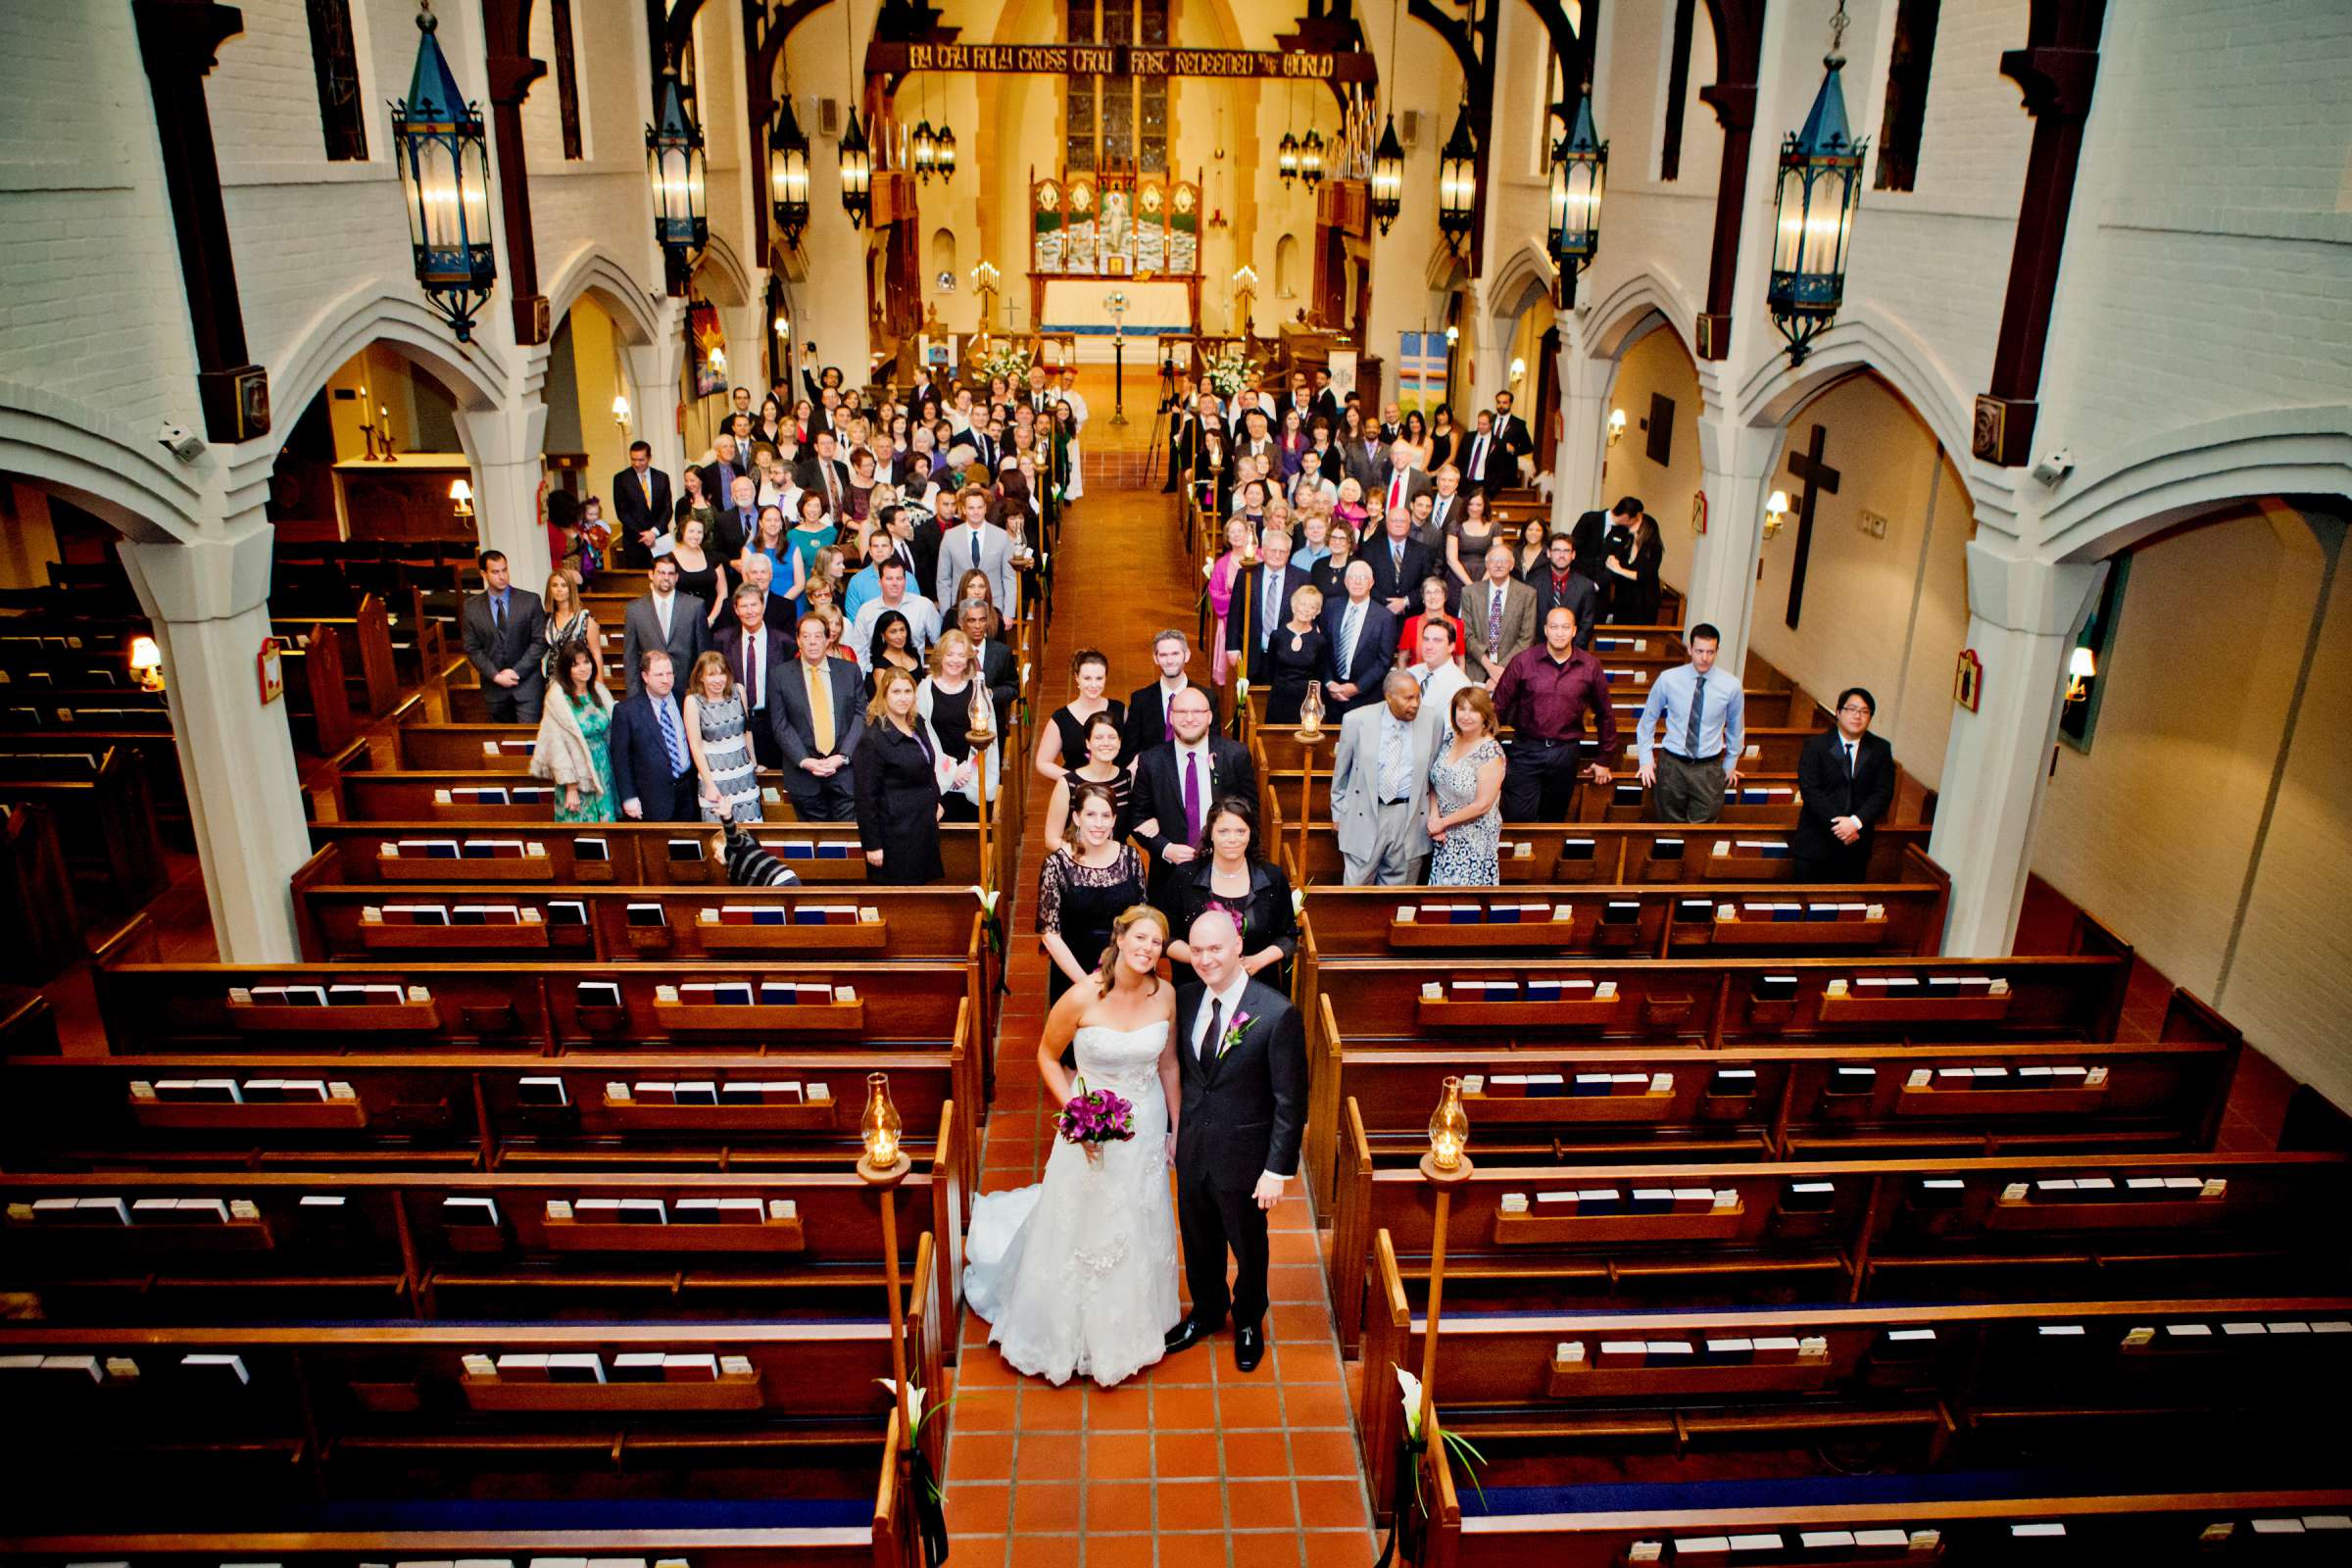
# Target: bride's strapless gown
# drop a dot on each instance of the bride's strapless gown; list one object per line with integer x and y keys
{"x": 1076, "y": 1274}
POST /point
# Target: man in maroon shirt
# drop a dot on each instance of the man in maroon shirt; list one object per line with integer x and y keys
{"x": 1544, "y": 694}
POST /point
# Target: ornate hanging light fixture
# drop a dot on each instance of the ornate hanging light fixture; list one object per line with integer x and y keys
{"x": 856, "y": 157}
{"x": 1386, "y": 189}
{"x": 1578, "y": 162}
{"x": 945, "y": 155}
{"x": 1311, "y": 157}
{"x": 444, "y": 159}
{"x": 1286, "y": 151}
{"x": 1820, "y": 188}
{"x": 673, "y": 155}
{"x": 788, "y": 171}
{"x": 1457, "y": 181}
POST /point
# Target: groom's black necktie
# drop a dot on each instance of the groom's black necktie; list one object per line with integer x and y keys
{"x": 1208, "y": 1039}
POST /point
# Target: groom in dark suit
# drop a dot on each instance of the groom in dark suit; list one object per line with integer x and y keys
{"x": 1241, "y": 1051}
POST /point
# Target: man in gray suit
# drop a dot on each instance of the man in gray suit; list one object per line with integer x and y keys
{"x": 1499, "y": 617}
{"x": 976, "y": 544}
{"x": 505, "y": 639}
{"x": 667, "y": 620}
{"x": 1380, "y": 787}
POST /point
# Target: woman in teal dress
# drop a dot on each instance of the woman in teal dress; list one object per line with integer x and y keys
{"x": 811, "y": 531}
{"x": 572, "y": 748}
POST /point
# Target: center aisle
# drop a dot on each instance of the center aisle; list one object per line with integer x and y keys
{"x": 1189, "y": 1464}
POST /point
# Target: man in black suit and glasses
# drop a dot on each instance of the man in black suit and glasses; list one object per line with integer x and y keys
{"x": 1846, "y": 776}
{"x": 1241, "y": 1052}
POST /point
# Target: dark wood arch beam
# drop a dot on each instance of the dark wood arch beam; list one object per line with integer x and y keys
{"x": 1739, "y": 47}
{"x": 2057, "y": 70}
{"x": 510, "y": 69}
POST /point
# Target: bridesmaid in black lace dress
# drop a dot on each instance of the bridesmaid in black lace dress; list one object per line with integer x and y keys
{"x": 1082, "y": 890}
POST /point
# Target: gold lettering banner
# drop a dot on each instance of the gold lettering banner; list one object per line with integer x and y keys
{"x": 1118, "y": 60}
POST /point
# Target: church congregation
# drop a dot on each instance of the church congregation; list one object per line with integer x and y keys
{"x": 824, "y": 782}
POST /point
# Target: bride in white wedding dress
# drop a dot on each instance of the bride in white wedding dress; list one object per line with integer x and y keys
{"x": 1076, "y": 1275}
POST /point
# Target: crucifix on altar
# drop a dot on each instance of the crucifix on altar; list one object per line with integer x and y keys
{"x": 1818, "y": 477}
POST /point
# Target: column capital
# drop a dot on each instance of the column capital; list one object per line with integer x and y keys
{"x": 2042, "y": 598}
{"x": 212, "y": 577}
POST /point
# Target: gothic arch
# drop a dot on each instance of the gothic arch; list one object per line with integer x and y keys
{"x": 1523, "y": 280}
{"x": 97, "y": 464}
{"x": 1633, "y": 308}
{"x": 2145, "y": 486}
{"x": 720, "y": 273}
{"x": 393, "y": 316}
{"x": 593, "y": 270}
{"x": 1865, "y": 338}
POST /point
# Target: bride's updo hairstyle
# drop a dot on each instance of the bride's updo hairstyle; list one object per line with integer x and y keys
{"x": 1134, "y": 914}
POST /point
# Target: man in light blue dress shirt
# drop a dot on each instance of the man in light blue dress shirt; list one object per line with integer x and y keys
{"x": 1705, "y": 715}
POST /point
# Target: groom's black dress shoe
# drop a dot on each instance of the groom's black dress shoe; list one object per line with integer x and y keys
{"x": 1186, "y": 1334}
{"x": 1248, "y": 1347}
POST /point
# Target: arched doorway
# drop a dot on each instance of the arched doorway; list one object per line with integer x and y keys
{"x": 1654, "y": 384}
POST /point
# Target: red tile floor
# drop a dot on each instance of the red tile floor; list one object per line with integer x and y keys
{"x": 1190, "y": 1462}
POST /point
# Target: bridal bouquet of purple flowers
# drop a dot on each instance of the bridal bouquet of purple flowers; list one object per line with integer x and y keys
{"x": 1094, "y": 1117}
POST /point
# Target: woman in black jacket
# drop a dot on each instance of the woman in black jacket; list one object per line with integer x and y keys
{"x": 897, "y": 786}
{"x": 1234, "y": 877}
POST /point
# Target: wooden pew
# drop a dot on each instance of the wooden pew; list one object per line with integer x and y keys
{"x": 471, "y": 1245}
{"x": 465, "y": 1112}
{"x": 873, "y": 1533}
{"x": 40, "y": 928}
{"x": 1646, "y": 920}
{"x": 543, "y": 1009}
{"x": 1853, "y": 1230}
{"x": 1797, "y": 1101}
{"x": 1710, "y": 1002}
{"x": 363, "y": 641}
{"x": 1494, "y": 1527}
{"x": 318, "y": 693}
{"x": 104, "y": 815}
{"x": 1919, "y": 1388}
{"x": 155, "y": 751}
{"x": 308, "y": 1416}
{"x": 624, "y": 853}
{"x": 58, "y": 711}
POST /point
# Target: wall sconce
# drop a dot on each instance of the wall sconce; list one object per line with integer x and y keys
{"x": 1518, "y": 368}
{"x": 1616, "y": 425}
{"x": 147, "y": 664}
{"x": 2081, "y": 668}
{"x": 461, "y": 500}
{"x": 620, "y": 410}
{"x": 1776, "y": 513}
{"x": 1454, "y": 335}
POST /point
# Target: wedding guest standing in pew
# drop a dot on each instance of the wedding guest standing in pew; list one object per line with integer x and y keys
{"x": 1361, "y": 635}
{"x": 819, "y": 712}
{"x": 1148, "y": 721}
{"x": 1846, "y": 778}
{"x": 1557, "y": 582}
{"x": 999, "y": 669}
{"x": 756, "y": 653}
{"x": 1543, "y": 696}
{"x": 1266, "y": 590}
{"x": 943, "y": 709}
{"x": 1706, "y": 725}
{"x": 899, "y": 807}
{"x": 1236, "y": 877}
{"x": 1084, "y": 885}
{"x": 1380, "y": 787}
{"x": 640, "y": 505}
{"x": 718, "y": 738}
{"x": 1465, "y": 794}
{"x": 506, "y": 638}
{"x": 653, "y": 770}
{"x": 1500, "y": 618}
{"x": 572, "y": 747}
{"x": 676, "y": 623}
{"x": 568, "y": 621}
{"x": 1296, "y": 656}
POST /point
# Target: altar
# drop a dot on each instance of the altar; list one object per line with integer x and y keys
{"x": 1096, "y": 234}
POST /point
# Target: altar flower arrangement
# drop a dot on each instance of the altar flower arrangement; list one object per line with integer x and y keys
{"x": 1006, "y": 358}
{"x": 1094, "y": 1117}
{"x": 1225, "y": 374}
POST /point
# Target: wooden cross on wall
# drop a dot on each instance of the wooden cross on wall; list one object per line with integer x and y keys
{"x": 1818, "y": 476}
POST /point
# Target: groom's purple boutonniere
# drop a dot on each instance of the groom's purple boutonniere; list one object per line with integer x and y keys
{"x": 1233, "y": 1036}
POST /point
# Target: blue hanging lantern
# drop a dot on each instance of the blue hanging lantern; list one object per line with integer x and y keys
{"x": 1821, "y": 185}
{"x": 444, "y": 159}
{"x": 1577, "y": 163}
{"x": 673, "y": 156}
